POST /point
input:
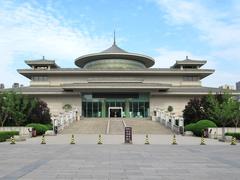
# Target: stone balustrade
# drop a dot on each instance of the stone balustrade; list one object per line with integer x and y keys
{"x": 169, "y": 120}
{"x": 64, "y": 119}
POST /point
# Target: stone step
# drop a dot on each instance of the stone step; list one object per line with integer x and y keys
{"x": 86, "y": 127}
{"x": 116, "y": 127}
{"x": 86, "y": 118}
{"x": 147, "y": 127}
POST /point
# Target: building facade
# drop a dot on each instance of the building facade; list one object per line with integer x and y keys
{"x": 238, "y": 89}
{"x": 116, "y": 83}
{"x": 238, "y": 86}
{"x": 227, "y": 87}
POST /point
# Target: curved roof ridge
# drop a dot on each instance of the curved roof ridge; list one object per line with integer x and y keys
{"x": 114, "y": 49}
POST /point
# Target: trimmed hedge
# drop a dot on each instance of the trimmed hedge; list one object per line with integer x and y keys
{"x": 49, "y": 126}
{"x": 198, "y": 127}
{"x": 4, "y": 135}
{"x": 236, "y": 135}
{"x": 201, "y": 125}
{"x": 189, "y": 127}
{"x": 40, "y": 128}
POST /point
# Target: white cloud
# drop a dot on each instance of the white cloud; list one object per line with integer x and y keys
{"x": 218, "y": 28}
{"x": 28, "y": 29}
{"x": 167, "y": 57}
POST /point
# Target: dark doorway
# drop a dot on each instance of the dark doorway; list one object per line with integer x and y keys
{"x": 115, "y": 112}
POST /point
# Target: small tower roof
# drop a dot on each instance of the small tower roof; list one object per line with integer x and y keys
{"x": 42, "y": 62}
{"x": 189, "y": 62}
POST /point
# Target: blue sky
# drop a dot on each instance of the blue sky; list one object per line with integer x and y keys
{"x": 166, "y": 30}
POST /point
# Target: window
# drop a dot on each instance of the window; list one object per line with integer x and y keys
{"x": 41, "y": 67}
{"x": 190, "y": 78}
{"x": 40, "y": 78}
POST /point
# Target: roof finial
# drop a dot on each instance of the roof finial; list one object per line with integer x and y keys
{"x": 43, "y": 58}
{"x": 186, "y": 57}
{"x": 114, "y": 38}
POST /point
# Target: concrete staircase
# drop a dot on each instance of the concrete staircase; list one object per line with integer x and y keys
{"x": 115, "y": 126}
{"x": 87, "y": 126}
{"x": 146, "y": 127}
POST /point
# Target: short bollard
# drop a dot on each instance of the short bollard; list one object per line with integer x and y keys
{"x": 202, "y": 141}
{"x": 147, "y": 140}
{"x": 215, "y": 135}
{"x": 99, "y": 139}
{"x": 13, "y": 140}
{"x": 174, "y": 141}
{"x": 233, "y": 141}
{"x": 43, "y": 140}
{"x": 72, "y": 140}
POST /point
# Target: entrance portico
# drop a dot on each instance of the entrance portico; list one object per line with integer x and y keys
{"x": 115, "y": 112}
{"x": 121, "y": 104}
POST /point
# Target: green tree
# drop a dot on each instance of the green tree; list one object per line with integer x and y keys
{"x": 236, "y": 114}
{"x": 15, "y": 108}
{"x": 200, "y": 108}
{"x": 195, "y": 110}
{"x": 23, "y": 108}
{"x": 6, "y": 109}
{"x": 40, "y": 113}
{"x": 221, "y": 110}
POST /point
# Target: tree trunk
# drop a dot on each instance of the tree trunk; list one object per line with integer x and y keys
{"x": 4, "y": 119}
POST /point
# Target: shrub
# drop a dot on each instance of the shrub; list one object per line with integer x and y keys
{"x": 40, "y": 128}
{"x": 7, "y": 134}
{"x": 170, "y": 108}
{"x": 189, "y": 127}
{"x": 67, "y": 107}
{"x": 49, "y": 126}
{"x": 201, "y": 125}
{"x": 236, "y": 135}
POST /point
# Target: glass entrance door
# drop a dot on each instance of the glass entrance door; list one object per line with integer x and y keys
{"x": 115, "y": 112}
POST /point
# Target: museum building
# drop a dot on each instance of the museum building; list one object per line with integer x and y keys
{"x": 116, "y": 83}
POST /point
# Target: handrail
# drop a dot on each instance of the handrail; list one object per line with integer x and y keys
{"x": 64, "y": 119}
{"x": 108, "y": 126}
{"x": 169, "y": 120}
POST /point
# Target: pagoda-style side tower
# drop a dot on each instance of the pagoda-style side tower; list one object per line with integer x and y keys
{"x": 42, "y": 64}
{"x": 188, "y": 64}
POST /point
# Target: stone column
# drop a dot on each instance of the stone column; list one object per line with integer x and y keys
{"x": 103, "y": 108}
{"x": 127, "y": 108}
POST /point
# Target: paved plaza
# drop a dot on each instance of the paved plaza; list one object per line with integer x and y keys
{"x": 119, "y": 139}
{"x": 30, "y": 160}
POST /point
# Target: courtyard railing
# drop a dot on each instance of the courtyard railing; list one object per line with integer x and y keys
{"x": 64, "y": 119}
{"x": 170, "y": 120}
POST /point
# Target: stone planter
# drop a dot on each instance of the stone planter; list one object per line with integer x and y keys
{"x": 188, "y": 133}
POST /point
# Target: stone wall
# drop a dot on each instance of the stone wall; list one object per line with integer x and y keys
{"x": 25, "y": 131}
{"x": 211, "y": 131}
{"x": 56, "y": 102}
{"x": 57, "y": 80}
{"x": 162, "y": 102}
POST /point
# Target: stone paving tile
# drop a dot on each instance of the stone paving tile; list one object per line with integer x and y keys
{"x": 155, "y": 139}
{"x": 119, "y": 162}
